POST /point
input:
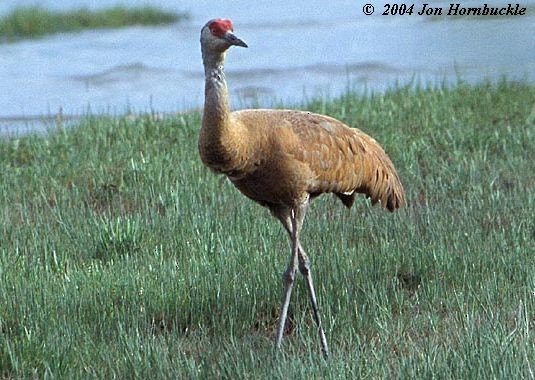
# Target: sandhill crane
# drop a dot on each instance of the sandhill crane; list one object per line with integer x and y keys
{"x": 282, "y": 159}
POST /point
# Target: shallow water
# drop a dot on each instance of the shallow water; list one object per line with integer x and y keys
{"x": 297, "y": 50}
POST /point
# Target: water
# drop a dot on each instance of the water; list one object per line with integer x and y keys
{"x": 297, "y": 50}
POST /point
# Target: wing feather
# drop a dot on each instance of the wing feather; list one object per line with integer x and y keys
{"x": 347, "y": 161}
{"x": 337, "y": 158}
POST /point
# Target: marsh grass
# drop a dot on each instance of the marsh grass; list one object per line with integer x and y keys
{"x": 32, "y": 22}
{"x": 121, "y": 255}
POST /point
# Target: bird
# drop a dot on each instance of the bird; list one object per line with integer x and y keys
{"x": 283, "y": 159}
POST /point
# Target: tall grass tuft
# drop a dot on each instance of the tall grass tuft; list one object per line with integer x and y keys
{"x": 118, "y": 237}
{"x": 31, "y": 22}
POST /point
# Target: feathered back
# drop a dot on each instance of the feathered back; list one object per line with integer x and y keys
{"x": 327, "y": 155}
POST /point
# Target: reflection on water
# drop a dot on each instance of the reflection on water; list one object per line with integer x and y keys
{"x": 295, "y": 49}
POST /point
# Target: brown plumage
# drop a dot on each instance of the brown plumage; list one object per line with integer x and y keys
{"x": 282, "y": 159}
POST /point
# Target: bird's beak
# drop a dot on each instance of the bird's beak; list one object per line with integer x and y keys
{"x": 233, "y": 40}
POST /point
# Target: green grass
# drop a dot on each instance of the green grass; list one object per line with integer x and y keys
{"x": 122, "y": 256}
{"x": 32, "y": 22}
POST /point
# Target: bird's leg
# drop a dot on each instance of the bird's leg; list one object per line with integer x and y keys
{"x": 287, "y": 219}
{"x": 288, "y": 277}
{"x": 304, "y": 268}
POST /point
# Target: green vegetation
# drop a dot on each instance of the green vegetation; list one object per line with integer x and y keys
{"x": 122, "y": 256}
{"x": 31, "y": 22}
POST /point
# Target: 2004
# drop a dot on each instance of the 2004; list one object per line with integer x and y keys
{"x": 398, "y": 9}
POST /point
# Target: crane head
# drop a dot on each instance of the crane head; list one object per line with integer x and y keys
{"x": 218, "y": 35}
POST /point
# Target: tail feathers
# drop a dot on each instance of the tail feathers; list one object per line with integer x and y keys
{"x": 383, "y": 188}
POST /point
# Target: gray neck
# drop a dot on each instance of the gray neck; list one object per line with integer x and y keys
{"x": 216, "y": 103}
{"x": 212, "y": 62}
